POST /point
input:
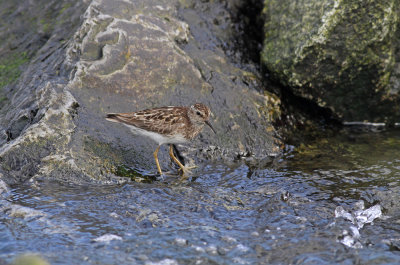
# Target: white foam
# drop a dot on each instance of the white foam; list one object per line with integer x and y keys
{"x": 368, "y": 216}
{"x": 114, "y": 215}
{"x": 341, "y": 212}
{"x": 163, "y": 262}
{"x": 107, "y": 238}
{"x": 242, "y": 248}
{"x": 358, "y": 218}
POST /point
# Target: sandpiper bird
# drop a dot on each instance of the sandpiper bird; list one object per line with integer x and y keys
{"x": 166, "y": 125}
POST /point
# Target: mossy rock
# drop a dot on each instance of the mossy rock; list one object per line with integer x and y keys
{"x": 341, "y": 54}
{"x": 10, "y": 67}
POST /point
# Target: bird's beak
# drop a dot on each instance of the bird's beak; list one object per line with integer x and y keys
{"x": 209, "y": 124}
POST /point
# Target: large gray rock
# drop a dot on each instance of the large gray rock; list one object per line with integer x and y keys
{"x": 35, "y": 120}
{"x": 344, "y": 55}
{"x": 127, "y": 56}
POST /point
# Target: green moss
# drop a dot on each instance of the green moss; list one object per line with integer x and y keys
{"x": 10, "y": 68}
{"x": 63, "y": 15}
{"x": 134, "y": 175}
{"x": 46, "y": 25}
{"x": 65, "y": 7}
{"x": 2, "y": 99}
{"x": 50, "y": 19}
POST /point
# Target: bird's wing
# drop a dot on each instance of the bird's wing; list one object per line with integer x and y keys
{"x": 163, "y": 120}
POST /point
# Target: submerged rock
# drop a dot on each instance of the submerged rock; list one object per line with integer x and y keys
{"x": 341, "y": 54}
{"x": 126, "y": 56}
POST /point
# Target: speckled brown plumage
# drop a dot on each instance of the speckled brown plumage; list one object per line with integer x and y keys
{"x": 166, "y": 125}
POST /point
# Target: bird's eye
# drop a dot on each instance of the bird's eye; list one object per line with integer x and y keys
{"x": 198, "y": 113}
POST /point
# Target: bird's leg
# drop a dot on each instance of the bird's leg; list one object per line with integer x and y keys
{"x": 171, "y": 153}
{"x": 156, "y": 158}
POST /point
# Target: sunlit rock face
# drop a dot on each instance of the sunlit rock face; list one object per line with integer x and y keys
{"x": 341, "y": 54}
{"x": 123, "y": 56}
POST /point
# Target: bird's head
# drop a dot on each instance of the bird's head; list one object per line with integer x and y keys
{"x": 200, "y": 114}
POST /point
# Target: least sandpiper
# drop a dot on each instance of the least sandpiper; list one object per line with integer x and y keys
{"x": 166, "y": 125}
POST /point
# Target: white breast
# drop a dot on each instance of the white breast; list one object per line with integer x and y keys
{"x": 159, "y": 138}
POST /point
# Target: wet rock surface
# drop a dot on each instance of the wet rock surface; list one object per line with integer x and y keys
{"x": 163, "y": 55}
{"x": 126, "y": 56}
{"x": 341, "y": 55}
{"x": 35, "y": 119}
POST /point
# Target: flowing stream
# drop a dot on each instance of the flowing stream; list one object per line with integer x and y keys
{"x": 333, "y": 201}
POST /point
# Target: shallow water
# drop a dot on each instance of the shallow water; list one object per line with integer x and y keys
{"x": 332, "y": 201}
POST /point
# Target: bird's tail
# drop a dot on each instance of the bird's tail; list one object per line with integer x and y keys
{"x": 113, "y": 117}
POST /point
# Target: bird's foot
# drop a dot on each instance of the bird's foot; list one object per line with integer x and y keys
{"x": 186, "y": 170}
